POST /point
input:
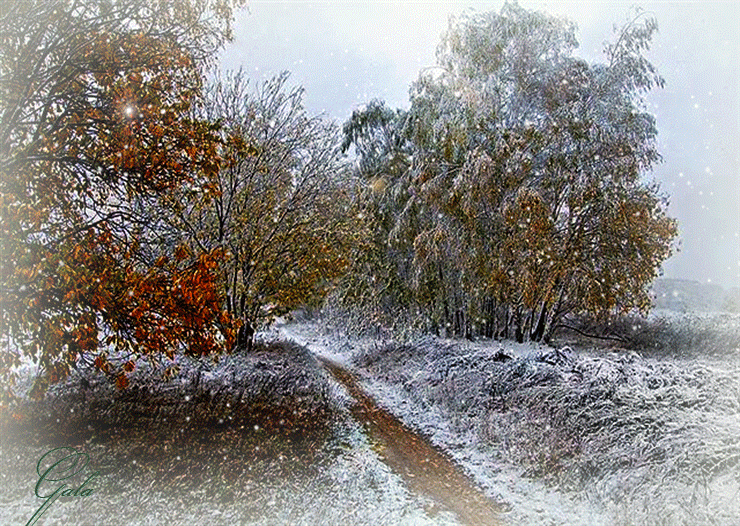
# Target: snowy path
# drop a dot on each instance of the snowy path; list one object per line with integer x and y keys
{"x": 522, "y": 501}
{"x": 424, "y": 469}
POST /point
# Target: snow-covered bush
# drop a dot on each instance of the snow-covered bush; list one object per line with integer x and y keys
{"x": 278, "y": 384}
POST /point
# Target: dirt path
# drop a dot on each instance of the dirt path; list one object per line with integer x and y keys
{"x": 423, "y": 468}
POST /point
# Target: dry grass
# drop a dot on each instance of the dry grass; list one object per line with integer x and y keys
{"x": 216, "y": 444}
{"x": 259, "y": 439}
{"x": 655, "y": 441}
{"x": 664, "y": 333}
{"x": 277, "y": 385}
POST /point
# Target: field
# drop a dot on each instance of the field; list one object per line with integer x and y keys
{"x": 581, "y": 435}
{"x": 259, "y": 439}
{"x": 564, "y": 435}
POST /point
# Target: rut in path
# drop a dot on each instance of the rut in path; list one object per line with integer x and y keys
{"x": 424, "y": 469}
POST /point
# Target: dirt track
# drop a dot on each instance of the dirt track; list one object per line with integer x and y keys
{"x": 424, "y": 469}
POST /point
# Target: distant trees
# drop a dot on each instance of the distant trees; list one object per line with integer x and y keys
{"x": 95, "y": 127}
{"x": 511, "y": 193}
{"x": 280, "y": 212}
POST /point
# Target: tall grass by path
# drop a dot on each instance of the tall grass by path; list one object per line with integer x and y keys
{"x": 654, "y": 441}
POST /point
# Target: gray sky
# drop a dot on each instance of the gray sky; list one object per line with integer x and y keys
{"x": 346, "y": 53}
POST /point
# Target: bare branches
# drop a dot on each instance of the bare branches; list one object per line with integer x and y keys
{"x": 279, "y": 210}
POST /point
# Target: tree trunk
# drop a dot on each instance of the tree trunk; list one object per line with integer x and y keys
{"x": 490, "y": 313}
{"x": 539, "y": 331}
{"x": 504, "y": 334}
{"x": 245, "y": 336}
{"x": 519, "y": 333}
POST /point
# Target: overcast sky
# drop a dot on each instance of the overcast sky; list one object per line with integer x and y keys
{"x": 346, "y": 53}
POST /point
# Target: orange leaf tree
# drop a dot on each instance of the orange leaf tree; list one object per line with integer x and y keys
{"x": 94, "y": 131}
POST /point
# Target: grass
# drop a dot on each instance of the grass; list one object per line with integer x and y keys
{"x": 255, "y": 439}
{"x": 653, "y": 441}
{"x": 665, "y": 333}
{"x": 652, "y": 437}
{"x": 216, "y": 445}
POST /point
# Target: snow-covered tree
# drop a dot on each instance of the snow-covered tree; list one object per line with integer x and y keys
{"x": 524, "y": 194}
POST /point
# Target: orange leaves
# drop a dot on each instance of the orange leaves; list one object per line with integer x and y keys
{"x": 85, "y": 335}
{"x": 100, "y": 127}
{"x": 182, "y": 252}
{"x": 100, "y": 362}
{"x": 91, "y": 294}
{"x": 176, "y": 307}
{"x": 161, "y": 261}
{"x": 121, "y": 381}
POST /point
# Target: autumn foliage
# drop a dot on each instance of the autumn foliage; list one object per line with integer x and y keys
{"x": 147, "y": 212}
{"x": 281, "y": 213}
{"x": 94, "y": 131}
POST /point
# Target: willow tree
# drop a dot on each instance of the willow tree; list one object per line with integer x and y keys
{"x": 529, "y": 176}
{"x": 378, "y": 277}
{"x": 94, "y": 118}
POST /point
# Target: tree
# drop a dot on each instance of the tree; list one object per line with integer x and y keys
{"x": 379, "y": 276}
{"x": 94, "y": 125}
{"x": 527, "y": 183}
{"x": 280, "y": 210}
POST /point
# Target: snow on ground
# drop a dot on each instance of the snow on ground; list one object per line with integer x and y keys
{"x": 558, "y": 437}
{"x": 564, "y": 437}
{"x": 171, "y": 454}
{"x": 526, "y": 501}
